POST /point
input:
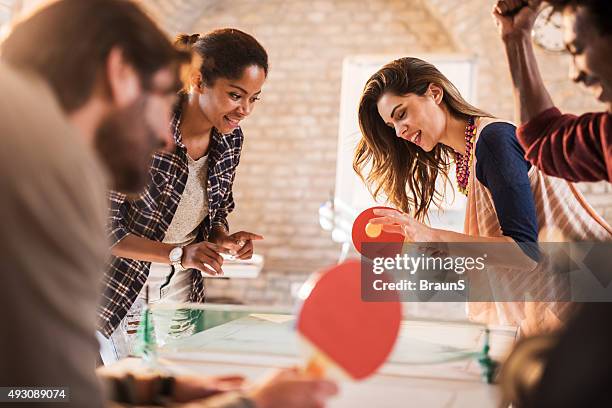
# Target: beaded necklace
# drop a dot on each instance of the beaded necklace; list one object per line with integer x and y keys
{"x": 463, "y": 163}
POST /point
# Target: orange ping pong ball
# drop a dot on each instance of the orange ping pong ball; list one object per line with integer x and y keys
{"x": 373, "y": 230}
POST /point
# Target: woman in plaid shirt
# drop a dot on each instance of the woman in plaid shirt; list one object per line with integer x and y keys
{"x": 177, "y": 228}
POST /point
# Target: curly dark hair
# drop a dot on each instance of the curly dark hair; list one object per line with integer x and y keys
{"x": 225, "y": 53}
{"x": 601, "y": 11}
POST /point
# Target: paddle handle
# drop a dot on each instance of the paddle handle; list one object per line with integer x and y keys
{"x": 316, "y": 366}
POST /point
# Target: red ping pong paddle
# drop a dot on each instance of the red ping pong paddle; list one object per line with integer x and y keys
{"x": 364, "y": 232}
{"x": 353, "y": 335}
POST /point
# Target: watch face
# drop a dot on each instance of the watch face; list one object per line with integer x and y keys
{"x": 548, "y": 30}
{"x": 176, "y": 254}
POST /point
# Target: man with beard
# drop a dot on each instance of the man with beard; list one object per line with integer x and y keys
{"x": 87, "y": 89}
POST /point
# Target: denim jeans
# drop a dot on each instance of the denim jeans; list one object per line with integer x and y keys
{"x": 165, "y": 285}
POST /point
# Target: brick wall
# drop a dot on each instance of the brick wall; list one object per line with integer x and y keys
{"x": 288, "y": 164}
{"x": 7, "y": 9}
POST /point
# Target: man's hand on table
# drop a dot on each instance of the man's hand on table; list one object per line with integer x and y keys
{"x": 287, "y": 388}
{"x": 290, "y": 388}
{"x": 189, "y": 388}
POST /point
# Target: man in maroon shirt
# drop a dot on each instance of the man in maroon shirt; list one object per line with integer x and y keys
{"x": 576, "y": 148}
{"x": 577, "y": 369}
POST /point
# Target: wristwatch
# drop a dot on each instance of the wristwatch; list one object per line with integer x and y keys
{"x": 176, "y": 256}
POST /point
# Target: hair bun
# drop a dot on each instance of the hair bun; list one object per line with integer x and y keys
{"x": 187, "y": 39}
{"x": 193, "y": 38}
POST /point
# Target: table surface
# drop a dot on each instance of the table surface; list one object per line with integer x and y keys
{"x": 432, "y": 364}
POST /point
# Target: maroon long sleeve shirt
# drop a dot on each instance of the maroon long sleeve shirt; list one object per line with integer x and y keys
{"x": 576, "y": 148}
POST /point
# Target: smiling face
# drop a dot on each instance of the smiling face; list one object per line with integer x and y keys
{"x": 418, "y": 119}
{"x": 590, "y": 52}
{"x": 228, "y": 101}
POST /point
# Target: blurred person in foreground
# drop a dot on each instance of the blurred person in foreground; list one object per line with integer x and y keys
{"x": 84, "y": 105}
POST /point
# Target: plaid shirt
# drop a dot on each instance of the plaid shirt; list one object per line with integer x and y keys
{"x": 151, "y": 213}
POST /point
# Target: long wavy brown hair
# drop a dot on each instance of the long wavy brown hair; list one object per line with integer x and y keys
{"x": 404, "y": 172}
